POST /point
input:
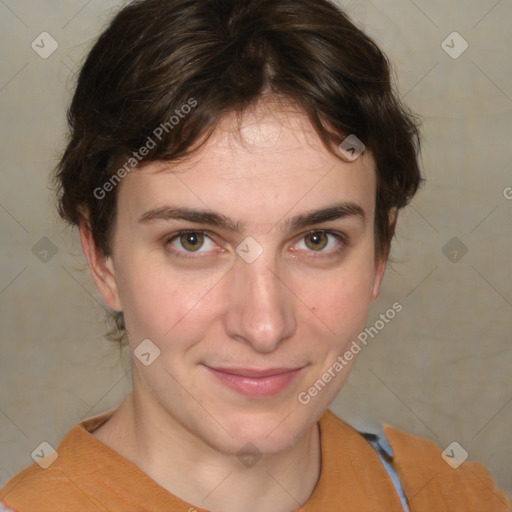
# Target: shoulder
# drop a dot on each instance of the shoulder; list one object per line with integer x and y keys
{"x": 44, "y": 490}
{"x": 443, "y": 478}
{"x": 60, "y": 480}
{"x": 430, "y": 479}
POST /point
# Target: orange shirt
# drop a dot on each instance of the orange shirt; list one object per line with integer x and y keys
{"x": 88, "y": 476}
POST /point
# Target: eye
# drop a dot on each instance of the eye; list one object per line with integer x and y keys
{"x": 322, "y": 242}
{"x": 190, "y": 242}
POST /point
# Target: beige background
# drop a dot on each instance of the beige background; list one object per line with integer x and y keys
{"x": 440, "y": 369}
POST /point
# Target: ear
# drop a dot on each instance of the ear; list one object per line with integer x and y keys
{"x": 380, "y": 267}
{"x": 380, "y": 263}
{"x": 101, "y": 267}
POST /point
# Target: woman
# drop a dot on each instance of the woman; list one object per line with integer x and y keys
{"x": 236, "y": 168}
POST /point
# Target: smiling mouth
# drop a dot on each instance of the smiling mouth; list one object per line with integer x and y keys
{"x": 256, "y": 382}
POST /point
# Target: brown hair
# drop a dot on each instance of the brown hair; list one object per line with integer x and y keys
{"x": 217, "y": 57}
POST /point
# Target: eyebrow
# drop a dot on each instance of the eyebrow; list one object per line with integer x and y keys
{"x": 215, "y": 219}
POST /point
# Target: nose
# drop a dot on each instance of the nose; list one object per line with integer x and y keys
{"x": 260, "y": 312}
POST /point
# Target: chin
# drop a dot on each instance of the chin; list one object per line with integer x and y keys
{"x": 241, "y": 444}
{"x": 270, "y": 432}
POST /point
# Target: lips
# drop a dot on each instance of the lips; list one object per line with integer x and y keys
{"x": 245, "y": 372}
{"x": 254, "y": 382}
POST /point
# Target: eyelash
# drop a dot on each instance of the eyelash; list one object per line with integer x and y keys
{"x": 342, "y": 238}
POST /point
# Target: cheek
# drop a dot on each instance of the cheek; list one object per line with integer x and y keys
{"x": 340, "y": 302}
{"x": 159, "y": 302}
{"x": 346, "y": 309}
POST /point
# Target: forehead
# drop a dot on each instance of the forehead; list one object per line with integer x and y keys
{"x": 269, "y": 157}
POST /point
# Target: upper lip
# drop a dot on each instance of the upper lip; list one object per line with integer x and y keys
{"x": 254, "y": 372}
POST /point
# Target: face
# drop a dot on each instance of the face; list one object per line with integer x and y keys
{"x": 251, "y": 267}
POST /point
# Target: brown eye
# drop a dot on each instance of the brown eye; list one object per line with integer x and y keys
{"x": 190, "y": 244}
{"x": 322, "y": 244}
{"x": 191, "y": 241}
{"x": 317, "y": 240}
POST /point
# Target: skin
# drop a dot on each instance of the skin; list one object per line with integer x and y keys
{"x": 300, "y": 304}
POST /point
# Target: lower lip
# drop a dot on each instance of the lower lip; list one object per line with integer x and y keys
{"x": 257, "y": 386}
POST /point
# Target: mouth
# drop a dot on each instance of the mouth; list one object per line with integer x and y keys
{"x": 256, "y": 382}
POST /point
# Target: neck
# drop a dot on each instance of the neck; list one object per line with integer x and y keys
{"x": 197, "y": 473}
